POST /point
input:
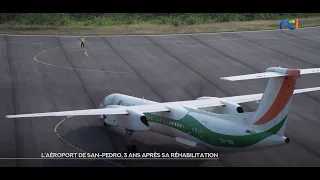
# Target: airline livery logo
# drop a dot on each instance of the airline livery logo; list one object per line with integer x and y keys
{"x": 296, "y": 27}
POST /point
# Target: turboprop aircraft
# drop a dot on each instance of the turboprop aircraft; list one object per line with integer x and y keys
{"x": 218, "y": 123}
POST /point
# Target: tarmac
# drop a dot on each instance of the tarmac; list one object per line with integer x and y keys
{"x": 52, "y": 73}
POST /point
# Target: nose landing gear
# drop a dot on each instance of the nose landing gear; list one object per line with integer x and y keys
{"x": 130, "y": 148}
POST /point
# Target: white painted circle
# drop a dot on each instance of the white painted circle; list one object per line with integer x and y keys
{"x": 70, "y": 68}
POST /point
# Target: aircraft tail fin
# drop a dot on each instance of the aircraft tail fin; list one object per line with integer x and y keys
{"x": 277, "y": 97}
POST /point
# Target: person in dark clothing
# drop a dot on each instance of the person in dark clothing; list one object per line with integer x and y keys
{"x": 82, "y": 42}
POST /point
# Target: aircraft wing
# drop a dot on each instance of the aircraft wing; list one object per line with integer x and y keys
{"x": 158, "y": 107}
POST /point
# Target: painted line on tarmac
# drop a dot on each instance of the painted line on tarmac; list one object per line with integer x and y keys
{"x": 156, "y": 34}
{"x": 73, "y": 146}
{"x": 185, "y": 41}
{"x": 71, "y": 68}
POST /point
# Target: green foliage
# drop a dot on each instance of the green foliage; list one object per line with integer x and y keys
{"x": 110, "y": 19}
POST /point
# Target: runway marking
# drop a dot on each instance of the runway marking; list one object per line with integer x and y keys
{"x": 86, "y": 53}
{"x": 21, "y": 43}
{"x": 70, "y": 68}
{"x": 158, "y": 34}
{"x": 79, "y": 149}
{"x": 55, "y": 128}
{"x": 170, "y": 41}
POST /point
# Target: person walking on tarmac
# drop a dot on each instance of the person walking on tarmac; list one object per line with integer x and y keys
{"x": 82, "y": 42}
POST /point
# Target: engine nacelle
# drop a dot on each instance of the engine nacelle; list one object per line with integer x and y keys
{"x": 137, "y": 121}
{"x": 231, "y": 107}
{"x": 176, "y": 112}
{"x": 134, "y": 120}
{"x": 104, "y": 116}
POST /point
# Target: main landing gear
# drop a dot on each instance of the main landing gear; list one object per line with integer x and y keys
{"x": 130, "y": 148}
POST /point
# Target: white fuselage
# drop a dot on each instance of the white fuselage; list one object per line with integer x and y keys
{"x": 170, "y": 124}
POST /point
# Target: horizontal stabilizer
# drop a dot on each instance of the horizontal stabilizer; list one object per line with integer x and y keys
{"x": 257, "y": 97}
{"x": 297, "y": 91}
{"x": 254, "y": 76}
{"x": 310, "y": 71}
{"x": 271, "y": 73}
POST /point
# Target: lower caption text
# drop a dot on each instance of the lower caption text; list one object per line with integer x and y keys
{"x": 152, "y": 155}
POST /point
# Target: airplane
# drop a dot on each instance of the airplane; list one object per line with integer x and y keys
{"x": 217, "y": 123}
